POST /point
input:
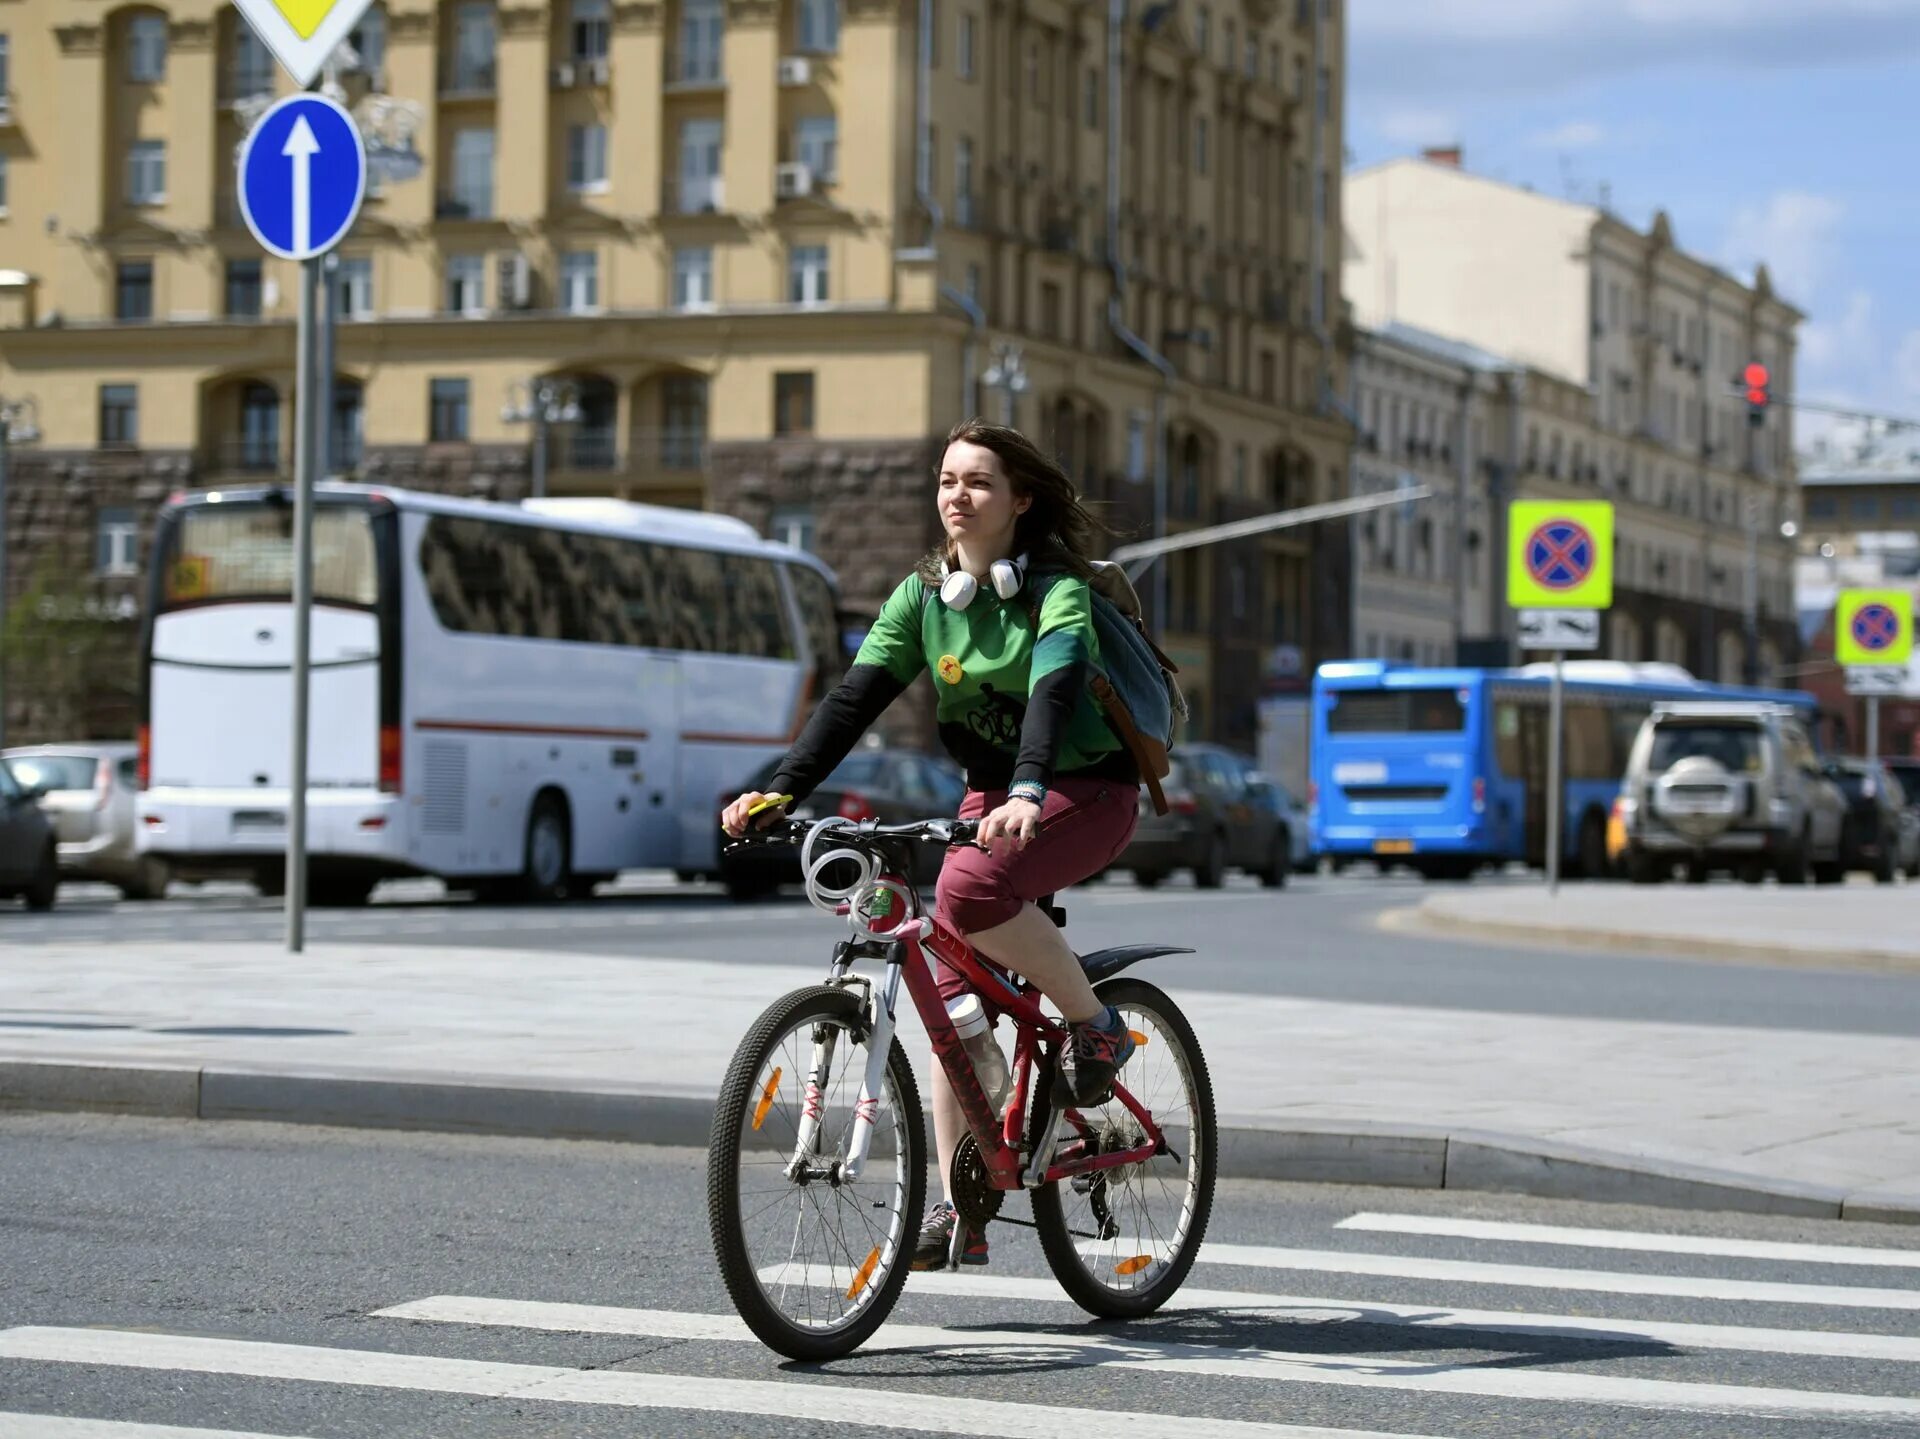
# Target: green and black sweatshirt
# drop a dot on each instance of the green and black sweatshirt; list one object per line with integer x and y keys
{"x": 1014, "y": 697}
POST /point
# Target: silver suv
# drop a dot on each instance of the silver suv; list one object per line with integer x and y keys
{"x": 1729, "y": 785}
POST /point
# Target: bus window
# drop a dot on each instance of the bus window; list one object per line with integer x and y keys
{"x": 821, "y": 617}
{"x": 1590, "y": 752}
{"x": 1433, "y": 711}
{"x": 1506, "y": 739}
{"x": 757, "y": 615}
{"x": 245, "y": 552}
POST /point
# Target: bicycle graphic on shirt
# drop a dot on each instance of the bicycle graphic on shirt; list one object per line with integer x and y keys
{"x": 817, "y": 1164}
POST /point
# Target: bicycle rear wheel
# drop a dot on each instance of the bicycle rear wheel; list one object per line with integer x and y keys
{"x": 813, "y": 1264}
{"x": 1121, "y": 1241}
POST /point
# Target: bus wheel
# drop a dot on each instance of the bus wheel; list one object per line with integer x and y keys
{"x": 549, "y": 851}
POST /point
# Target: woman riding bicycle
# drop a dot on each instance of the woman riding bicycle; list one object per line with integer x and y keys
{"x": 1001, "y": 615}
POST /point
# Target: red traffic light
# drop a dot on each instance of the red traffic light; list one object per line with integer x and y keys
{"x": 1756, "y": 377}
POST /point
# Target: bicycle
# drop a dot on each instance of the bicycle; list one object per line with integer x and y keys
{"x": 814, "y": 1206}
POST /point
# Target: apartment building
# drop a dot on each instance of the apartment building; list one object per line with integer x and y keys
{"x": 1620, "y": 356}
{"x": 770, "y": 246}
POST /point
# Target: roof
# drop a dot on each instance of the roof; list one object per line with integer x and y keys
{"x": 1454, "y": 352}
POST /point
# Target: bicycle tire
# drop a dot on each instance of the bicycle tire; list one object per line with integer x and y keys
{"x": 803, "y": 1007}
{"x": 1057, "y": 1239}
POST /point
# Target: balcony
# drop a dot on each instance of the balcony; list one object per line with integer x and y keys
{"x": 476, "y": 81}
{"x": 694, "y": 70}
{"x": 692, "y": 195}
{"x": 592, "y": 450}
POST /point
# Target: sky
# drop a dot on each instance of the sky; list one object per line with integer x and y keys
{"x": 1775, "y": 130}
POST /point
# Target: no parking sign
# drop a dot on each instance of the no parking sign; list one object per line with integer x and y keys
{"x": 1560, "y": 554}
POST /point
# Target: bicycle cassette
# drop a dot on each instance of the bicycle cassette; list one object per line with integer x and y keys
{"x": 974, "y": 1197}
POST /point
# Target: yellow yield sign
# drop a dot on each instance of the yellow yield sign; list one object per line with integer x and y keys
{"x": 1560, "y": 554}
{"x": 302, "y": 33}
{"x": 1873, "y": 627}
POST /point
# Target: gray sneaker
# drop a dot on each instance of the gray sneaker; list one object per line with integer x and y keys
{"x": 936, "y": 1240}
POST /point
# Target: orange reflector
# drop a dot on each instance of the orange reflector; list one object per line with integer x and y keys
{"x": 866, "y": 1273}
{"x": 766, "y": 1099}
{"x": 1138, "y": 1037}
{"x": 1133, "y": 1265}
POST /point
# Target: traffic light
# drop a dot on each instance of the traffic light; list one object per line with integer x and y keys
{"x": 1759, "y": 397}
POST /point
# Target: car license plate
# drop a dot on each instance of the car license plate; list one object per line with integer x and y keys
{"x": 256, "y": 820}
{"x": 1393, "y": 846}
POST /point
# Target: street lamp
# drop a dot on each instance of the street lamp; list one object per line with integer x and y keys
{"x": 18, "y": 425}
{"x": 543, "y": 402}
{"x": 1008, "y": 375}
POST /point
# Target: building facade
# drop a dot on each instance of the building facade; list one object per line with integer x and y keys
{"x": 1619, "y": 356}
{"x": 770, "y": 245}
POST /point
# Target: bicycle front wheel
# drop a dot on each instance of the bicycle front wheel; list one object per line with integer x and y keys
{"x": 813, "y": 1263}
{"x": 1121, "y": 1241}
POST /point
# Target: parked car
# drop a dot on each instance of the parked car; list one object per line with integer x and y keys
{"x": 1729, "y": 785}
{"x": 1906, "y": 774}
{"x": 90, "y": 792}
{"x": 1880, "y": 831}
{"x": 894, "y": 786}
{"x": 29, "y": 854}
{"x": 1222, "y": 813}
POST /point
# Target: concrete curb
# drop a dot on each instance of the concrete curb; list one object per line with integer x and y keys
{"x": 1431, "y": 916}
{"x": 1355, "y": 1152}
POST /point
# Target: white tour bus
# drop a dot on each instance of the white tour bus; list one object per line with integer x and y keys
{"x": 519, "y": 698}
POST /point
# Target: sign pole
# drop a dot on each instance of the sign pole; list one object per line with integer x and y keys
{"x": 1555, "y": 743}
{"x": 304, "y": 425}
{"x": 1873, "y": 726}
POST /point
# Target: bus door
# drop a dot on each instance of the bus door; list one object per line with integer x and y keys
{"x": 1533, "y": 766}
{"x": 647, "y": 771}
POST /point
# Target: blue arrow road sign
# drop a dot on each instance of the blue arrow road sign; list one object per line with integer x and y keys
{"x": 303, "y": 174}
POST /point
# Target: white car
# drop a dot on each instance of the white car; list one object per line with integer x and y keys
{"x": 88, "y": 797}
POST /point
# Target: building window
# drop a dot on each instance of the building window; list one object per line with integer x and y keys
{"x": 586, "y": 158}
{"x": 1229, "y": 40}
{"x": 3, "y": 174}
{"x": 975, "y": 282}
{"x": 816, "y": 144}
{"x": 807, "y": 274}
{"x": 1904, "y": 507}
{"x": 580, "y": 281}
{"x": 683, "y": 432}
{"x": 1200, "y": 143}
{"x": 1049, "y": 310}
{"x": 1269, "y": 376}
{"x": 702, "y": 25}
{"x": 792, "y": 525}
{"x": 1090, "y": 98}
{"x": 1863, "y": 507}
{"x": 1239, "y": 469}
{"x": 793, "y": 403}
{"x": 818, "y": 26}
{"x": 259, "y": 428}
{"x": 590, "y": 28}
{"x": 368, "y": 39}
{"x": 699, "y": 166}
{"x": 1323, "y": 94}
{"x": 1203, "y": 30}
{"x": 963, "y": 180}
{"x": 473, "y": 49}
{"x": 447, "y": 410}
{"x": 243, "y": 289}
{"x": 5, "y": 63}
{"x": 147, "y": 172}
{"x": 147, "y": 49}
{"x": 466, "y": 284}
{"x": 119, "y": 417}
{"x": 933, "y": 34}
{"x": 133, "y": 290}
{"x": 1250, "y": 64}
{"x": 353, "y": 289}
{"x": 472, "y": 196}
{"x": 252, "y": 72}
{"x": 693, "y": 277}
{"x": 963, "y": 51}
{"x": 1136, "y": 445}
{"x": 116, "y": 543}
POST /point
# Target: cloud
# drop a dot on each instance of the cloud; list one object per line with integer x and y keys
{"x": 1792, "y": 233}
{"x": 1574, "y": 135}
{"x": 1906, "y": 371}
{"x": 1830, "y": 346}
{"x": 1418, "y": 125}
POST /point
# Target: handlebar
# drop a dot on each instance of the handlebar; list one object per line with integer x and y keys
{"x": 860, "y": 834}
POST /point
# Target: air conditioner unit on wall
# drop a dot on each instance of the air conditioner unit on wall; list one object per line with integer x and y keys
{"x": 796, "y": 70}
{"x": 599, "y": 72}
{"x": 514, "y": 280}
{"x": 563, "y": 76}
{"x": 792, "y": 181}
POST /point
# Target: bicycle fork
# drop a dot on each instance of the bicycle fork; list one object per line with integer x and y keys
{"x": 866, "y": 1108}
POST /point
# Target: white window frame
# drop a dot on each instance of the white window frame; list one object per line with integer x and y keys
{"x": 816, "y": 144}
{"x": 354, "y": 287}
{"x": 1136, "y": 445}
{"x": 795, "y": 525}
{"x": 963, "y": 49}
{"x": 587, "y": 159}
{"x": 3, "y": 181}
{"x": 464, "y": 167}
{"x": 462, "y": 271}
{"x": 701, "y": 46}
{"x": 817, "y": 26}
{"x": 580, "y": 282}
{"x": 476, "y": 48}
{"x": 963, "y": 180}
{"x": 693, "y": 277}
{"x": 807, "y": 275}
{"x": 117, "y": 532}
{"x": 590, "y": 30}
{"x": 699, "y": 186}
{"x": 147, "y": 161}
{"x": 147, "y": 49}
{"x": 6, "y": 66}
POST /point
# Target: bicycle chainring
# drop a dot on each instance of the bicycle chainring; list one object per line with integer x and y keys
{"x": 974, "y": 1196}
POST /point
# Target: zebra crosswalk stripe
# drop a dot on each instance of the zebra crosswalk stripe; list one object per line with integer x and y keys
{"x": 1633, "y": 1240}
{"x": 56, "y": 1426}
{"x": 541, "y": 1383}
{"x": 1123, "y": 1350}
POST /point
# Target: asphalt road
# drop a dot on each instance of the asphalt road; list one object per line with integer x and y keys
{"x": 150, "y": 1265}
{"x": 1319, "y": 938}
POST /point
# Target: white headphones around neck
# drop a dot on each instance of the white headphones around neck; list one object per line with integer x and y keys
{"x": 957, "y": 587}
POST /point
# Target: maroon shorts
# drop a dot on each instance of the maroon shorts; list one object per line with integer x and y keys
{"x": 1084, "y": 825}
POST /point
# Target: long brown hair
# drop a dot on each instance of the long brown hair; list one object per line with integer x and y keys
{"x": 1058, "y": 530}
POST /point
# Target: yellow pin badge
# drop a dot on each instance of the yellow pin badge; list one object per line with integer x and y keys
{"x": 302, "y": 33}
{"x": 950, "y": 670}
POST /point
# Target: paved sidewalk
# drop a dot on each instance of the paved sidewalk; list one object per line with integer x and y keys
{"x": 504, "y": 1041}
{"x": 1857, "y": 925}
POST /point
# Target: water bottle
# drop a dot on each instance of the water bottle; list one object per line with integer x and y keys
{"x": 970, "y": 1022}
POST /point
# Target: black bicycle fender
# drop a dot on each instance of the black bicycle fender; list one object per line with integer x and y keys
{"x": 1106, "y": 963}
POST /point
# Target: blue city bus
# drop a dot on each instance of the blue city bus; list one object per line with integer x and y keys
{"x": 1445, "y": 770}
